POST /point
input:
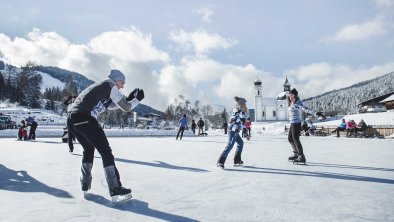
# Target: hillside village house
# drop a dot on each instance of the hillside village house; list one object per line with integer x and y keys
{"x": 378, "y": 104}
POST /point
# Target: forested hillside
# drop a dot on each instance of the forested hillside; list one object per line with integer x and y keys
{"x": 345, "y": 100}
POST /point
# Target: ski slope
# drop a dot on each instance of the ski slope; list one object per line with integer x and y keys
{"x": 345, "y": 180}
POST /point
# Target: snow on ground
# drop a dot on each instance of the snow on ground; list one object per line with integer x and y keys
{"x": 345, "y": 180}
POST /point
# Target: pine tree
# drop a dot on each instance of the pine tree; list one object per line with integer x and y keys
{"x": 70, "y": 87}
{"x": 224, "y": 115}
{"x": 29, "y": 86}
{"x": 21, "y": 86}
{"x": 9, "y": 89}
{"x": 2, "y": 65}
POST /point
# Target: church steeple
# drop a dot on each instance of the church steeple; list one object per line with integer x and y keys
{"x": 286, "y": 85}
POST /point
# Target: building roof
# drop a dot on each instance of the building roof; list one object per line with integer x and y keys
{"x": 388, "y": 99}
{"x": 376, "y": 99}
{"x": 286, "y": 82}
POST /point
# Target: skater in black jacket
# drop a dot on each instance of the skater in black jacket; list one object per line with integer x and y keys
{"x": 83, "y": 124}
{"x": 193, "y": 126}
{"x": 200, "y": 125}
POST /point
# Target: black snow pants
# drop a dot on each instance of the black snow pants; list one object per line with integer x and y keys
{"x": 91, "y": 136}
{"x": 294, "y": 138}
{"x": 32, "y": 133}
{"x": 181, "y": 129}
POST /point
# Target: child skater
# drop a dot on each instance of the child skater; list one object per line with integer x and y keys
{"x": 237, "y": 124}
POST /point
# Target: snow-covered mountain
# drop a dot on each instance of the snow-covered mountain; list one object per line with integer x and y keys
{"x": 49, "y": 82}
{"x": 345, "y": 100}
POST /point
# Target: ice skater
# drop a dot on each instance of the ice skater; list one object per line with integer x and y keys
{"x": 70, "y": 136}
{"x": 83, "y": 124}
{"x": 33, "y": 126}
{"x": 237, "y": 124}
{"x": 295, "y": 107}
{"x": 182, "y": 126}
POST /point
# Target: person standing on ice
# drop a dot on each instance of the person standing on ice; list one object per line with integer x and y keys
{"x": 82, "y": 122}
{"x": 237, "y": 124}
{"x": 33, "y": 126}
{"x": 70, "y": 136}
{"x": 182, "y": 126}
{"x": 295, "y": 108}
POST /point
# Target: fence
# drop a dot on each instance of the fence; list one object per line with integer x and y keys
{"x": 372, "y": 131}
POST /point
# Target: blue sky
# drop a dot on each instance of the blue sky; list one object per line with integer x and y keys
{"x": 207, "y": 50}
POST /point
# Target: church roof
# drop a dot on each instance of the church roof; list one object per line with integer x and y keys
{"x": 282, "y": 96}
{"x": 286, "y": 82}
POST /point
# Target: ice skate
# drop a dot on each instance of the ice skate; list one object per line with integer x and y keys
{"x": 220, "y": 166}
{"x": 85, "y": 186}
{"x": 293, "y": 157}
{"x": 120, "y": 194}
{"x": 239, "y": 163}
{"x": 237, "y": 160}
{"x": 300, "y": 160}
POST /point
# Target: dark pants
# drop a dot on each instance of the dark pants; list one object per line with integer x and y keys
{"x": 91, "y": 136}
{"x": 181, "y": 129}
{"x": 249, "y": 130}
{"x": 337, "y": 130}
{"x": 294, "y": 138}
{"x": 70, "y": 141}
{"x": 194, "y": 130}
{"x": 200, "y": 130}
{"x": 32, "y": 133}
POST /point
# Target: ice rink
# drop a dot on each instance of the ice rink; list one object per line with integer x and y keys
{"x": 345, "y": 180}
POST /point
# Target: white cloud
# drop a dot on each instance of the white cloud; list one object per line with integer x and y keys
{"x": 383, "y": 3}
{"x": 317, "y": 78}
{"x": 204, "y": 12}
{"x": 129, "y": 45}
{"x": 201, "y": 41}
{"x": 211, "y": 81}
{"x": 359, "y": 32}
{"x": 196, "y": 76}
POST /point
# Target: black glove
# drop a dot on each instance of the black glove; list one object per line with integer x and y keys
{"x": 132, "y": 95}
{"x": 140, "y": 94}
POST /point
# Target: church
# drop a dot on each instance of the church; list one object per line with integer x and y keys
{"x": 270, "y": 109}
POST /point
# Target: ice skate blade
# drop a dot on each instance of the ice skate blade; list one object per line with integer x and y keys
{"x": 219, "y": 167}
{"x": 299, "y": 163}
{"x": 121, "y": 198}
{"x": 238, "y": 165}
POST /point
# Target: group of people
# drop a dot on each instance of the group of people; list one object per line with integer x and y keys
{"x": 82, "y": 123}
{"x": 351, "y": 128}
{"x": 22, "y": 132}
{"x": 182, "y": 125}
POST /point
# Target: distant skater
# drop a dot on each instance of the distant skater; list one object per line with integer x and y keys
{"x": 193, "y": 126}
{"x": 295, "y": 108}
{"x": 33, "y": 126}
{"x": 182, "y": 126}
{"x": 200, "y": 125}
